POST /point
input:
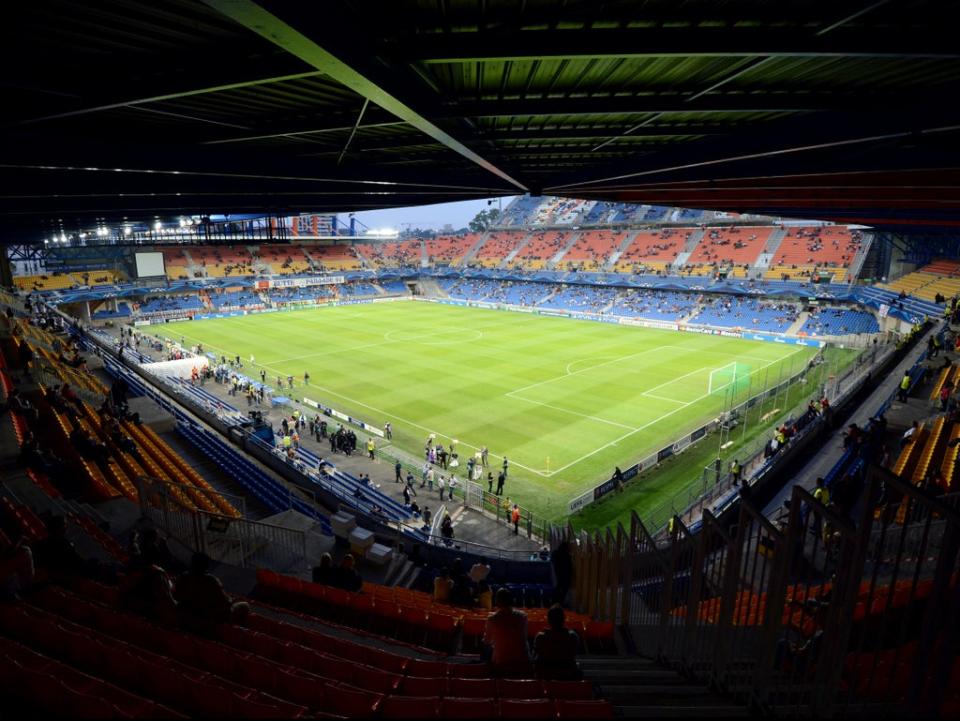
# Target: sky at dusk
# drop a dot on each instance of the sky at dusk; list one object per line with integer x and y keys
{"x": 424, "y": 216}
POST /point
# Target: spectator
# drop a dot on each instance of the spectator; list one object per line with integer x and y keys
{"x": 484, "y": 596}
{"x": 147, "y": 590}
{"x": 346, "y": 576}
{"x": 461, "y": 594}
{"x": 479, "y": 571}
{"x": 324, "y": 572}
{"x": 149, "y": 548}
{"x": 555, "y": 648}
{"x": 506, "y": 634}
{"x": 442, "y": 586}
{"x": 202, "y": 604}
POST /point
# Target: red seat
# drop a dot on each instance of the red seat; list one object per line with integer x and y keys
{"x": 526, "y": 708}
{"x": 519, "y": 689}
{"x": 267, "y": 578}
{"x": 425, "y": 668}
{"x": 351, "y": 702}
{"x": 410, "y": 707}
{"x": 567, "y": 709}
{"x": 373, "y": 679}
{"x": 257, "y": 674}
{"x": 468, "y": 708}
{"x": 304, "y": 689}
{"x": 472, "y": 687}
{"x": 469, "y": 670}
{"x": 264, "y": 706}
{"x": 423, "y": 686}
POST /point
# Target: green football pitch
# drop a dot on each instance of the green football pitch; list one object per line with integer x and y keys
{"x": 565, "y": 400}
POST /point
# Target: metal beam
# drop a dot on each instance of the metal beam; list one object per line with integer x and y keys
{"x": 667, "y": 103}
{"x": 647, "y": 42}
{"x": 254, "y": 17}
{"x": 335, "y": 125}
{"x": 185, "y": 87}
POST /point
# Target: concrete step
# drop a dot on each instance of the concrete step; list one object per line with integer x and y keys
{"x": 616, "y": 677}
{"x": 633, "y": 691}
{"x": 673, "y": 711}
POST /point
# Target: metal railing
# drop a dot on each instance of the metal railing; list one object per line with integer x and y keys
{"x": 237, "y": 541}
{"x": 821, "y": 614}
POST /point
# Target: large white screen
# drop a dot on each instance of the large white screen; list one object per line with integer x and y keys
{"x": 150, "y": 265}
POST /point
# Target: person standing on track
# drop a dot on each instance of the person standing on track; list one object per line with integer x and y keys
{"x": 388, "y": 431}
{"x": 506, "y": 465}
{"x": 501, "y": 477}
{"x": 306, "y": 378}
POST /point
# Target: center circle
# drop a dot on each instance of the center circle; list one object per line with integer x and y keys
{"x": 443, "y": 337}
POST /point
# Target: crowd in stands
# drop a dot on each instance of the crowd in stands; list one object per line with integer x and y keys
{"x": 839, "y": 321}
{"x": 747, "y": 313}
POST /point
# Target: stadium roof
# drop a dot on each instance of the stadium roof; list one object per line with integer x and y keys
{"x": 835, "y": 110}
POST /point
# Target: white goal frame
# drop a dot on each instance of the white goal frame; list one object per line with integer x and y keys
{"x": 710, "y": 386}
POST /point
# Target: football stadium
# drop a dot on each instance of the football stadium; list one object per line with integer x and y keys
{"x": 467, "y": 359}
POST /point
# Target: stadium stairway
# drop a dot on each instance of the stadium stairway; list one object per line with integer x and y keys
{"x": 797, "y": 324}
{"x": 505, "y": 263}
{"x": 469, "y": 255}
{"x": 641, "y": 688}
{"x": 615, "y": 255}
{"x": 693, "y": 241}
{"x": 552, "y": 263}
{"x": 770, "y": 250}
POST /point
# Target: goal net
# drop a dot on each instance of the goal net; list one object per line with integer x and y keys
{"x": 731, "y": 377}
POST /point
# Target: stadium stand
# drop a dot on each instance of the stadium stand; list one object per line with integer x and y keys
{"x": 449, "y": 250}
{"x": 728, "y": 246}
{"x": 592, "y": 249}
{"x": 540, "y": 249}
{"x": 335, "y": 258}
{"x": 220, "y": 262}
{"x": 497, "y": 247}
{"x": 941, "y": 277}
{"x": 747, "y": 313}
{"x": 284, "y": 259}
{"x": 806, "y": 250}
{"x": 404, "y": 254}
{"x": 654, "y": 250}
{"x": 837, "y": 321}
{"x": 176, "y": 264}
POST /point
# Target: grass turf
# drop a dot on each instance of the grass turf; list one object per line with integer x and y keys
{"x": 564, "y": 400}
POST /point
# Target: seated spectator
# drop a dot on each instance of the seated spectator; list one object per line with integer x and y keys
{"x": 324, "y": 572}
{"x": 442, "y": 585}
{"x": 555, "y": 649}
{"x": 484, "y": 596}
{"x": 202, "y": 604}
{"x": 87, "y": 447}
{"x": 506, "y": 634}
{"x": 148, "y": 548}
{"x": 148, "y": 591}
{"x": 346, "y": 576}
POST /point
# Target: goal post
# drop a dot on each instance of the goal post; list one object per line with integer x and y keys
{"x": 734, "y": 375}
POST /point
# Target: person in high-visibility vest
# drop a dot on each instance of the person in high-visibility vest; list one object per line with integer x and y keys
{"x": 371, "y": 447}
{"x": 822, "y": 494}
{"x": 735, "y": 470}
{"x": 515, "y": 518}
{"x": 904, "y": 387}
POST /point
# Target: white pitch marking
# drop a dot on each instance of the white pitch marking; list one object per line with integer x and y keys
{"x": 574, "y": 413}
{"x": 584, "y": 370}
{"x": 656, "y": 420}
